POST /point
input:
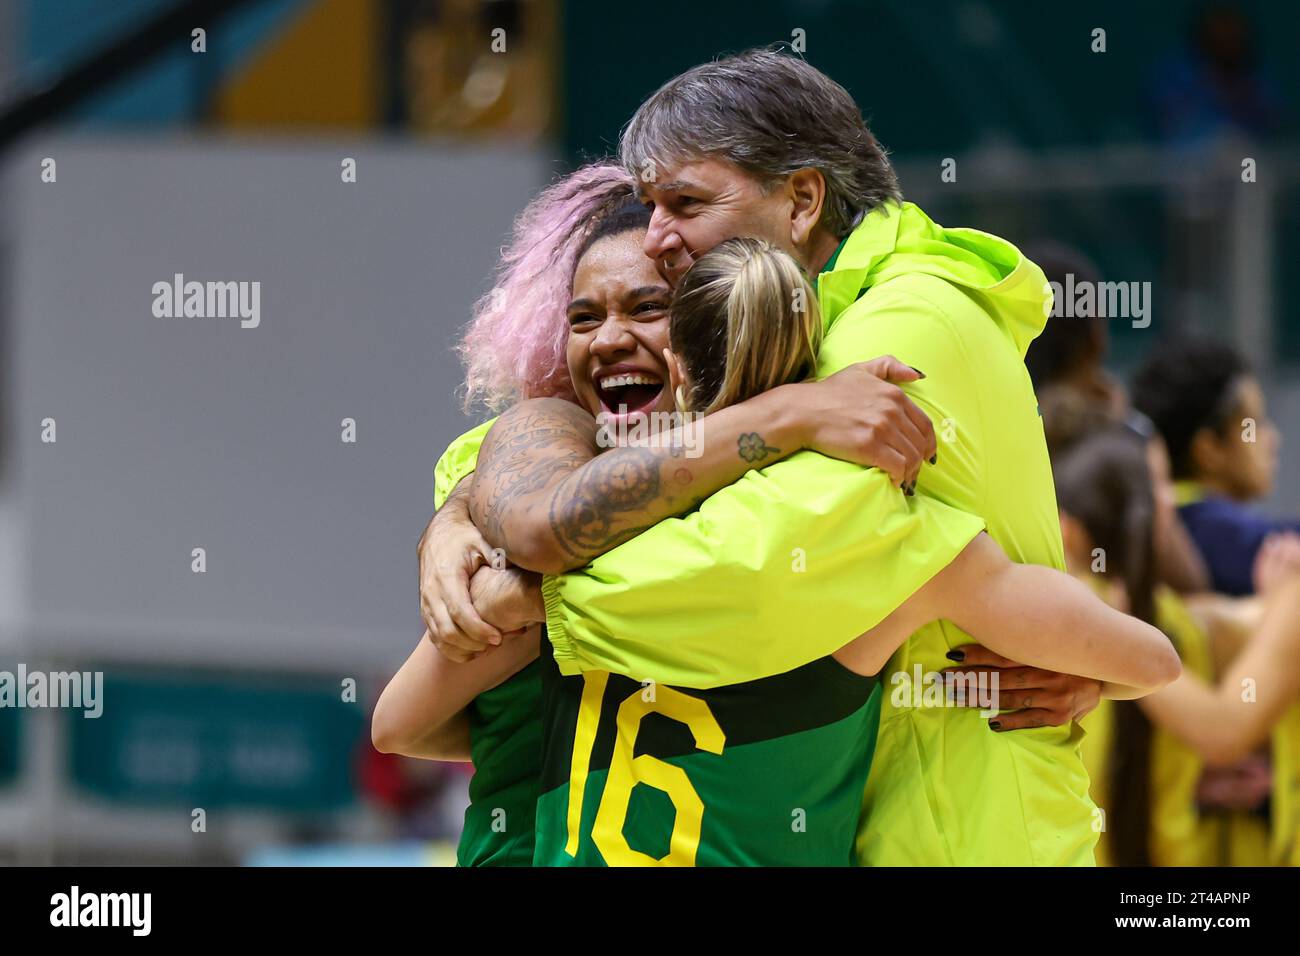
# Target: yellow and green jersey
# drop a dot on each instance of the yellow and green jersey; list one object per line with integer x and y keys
{"x": 505, "y": 733}
{"x": 505, "y": 729}
{"x": 762, "y": 773}
{"x": 739, "y": 766}
{"x": 771, "y": 732}
{"x": 712, "y": 598}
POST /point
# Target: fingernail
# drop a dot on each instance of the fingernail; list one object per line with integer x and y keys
{"x": 995, "y": 725}
{"x": 934, "y": 459}
{"x": 917, "y": 371}
{"x": 956, "y": 654}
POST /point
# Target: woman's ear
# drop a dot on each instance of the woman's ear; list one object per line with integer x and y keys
{"x": 676, "y": 378}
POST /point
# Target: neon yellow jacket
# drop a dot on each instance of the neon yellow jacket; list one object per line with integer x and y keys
{"x": 457, "y": 461}
{"x": 679, "y": 604}
{"x": 911, "y": 539}
{"x": 714, "y": 597}
{"x": 782, "y": 567}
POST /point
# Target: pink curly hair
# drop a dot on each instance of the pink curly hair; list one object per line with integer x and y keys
{"x": 513, "y": 346}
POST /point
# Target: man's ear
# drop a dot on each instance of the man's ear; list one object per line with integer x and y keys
{"x": 806, "y": 189}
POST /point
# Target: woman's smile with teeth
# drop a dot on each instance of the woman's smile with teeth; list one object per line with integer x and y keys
{"x": 618, "y": 381}
{"x": 624, "y": 392}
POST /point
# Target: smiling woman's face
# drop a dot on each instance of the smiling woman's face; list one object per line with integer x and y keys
{"x": 618, "y": 330}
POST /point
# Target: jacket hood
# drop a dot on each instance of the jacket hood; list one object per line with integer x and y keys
{"x": 897, "y": 240}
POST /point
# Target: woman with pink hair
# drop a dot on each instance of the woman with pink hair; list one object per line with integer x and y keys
{"x": 537, "y": 334}
{"x": 513, "y": 347}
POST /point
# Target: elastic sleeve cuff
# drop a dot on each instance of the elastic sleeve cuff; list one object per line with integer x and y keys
{"x": 557, "y": 631}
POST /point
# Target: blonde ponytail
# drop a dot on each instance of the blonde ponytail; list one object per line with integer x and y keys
{"x": 745, "y": 319}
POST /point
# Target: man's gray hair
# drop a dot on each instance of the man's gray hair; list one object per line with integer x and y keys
{"x": 770, "y": 114}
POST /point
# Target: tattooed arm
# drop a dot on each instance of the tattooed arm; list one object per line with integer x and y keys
{"x": 544, "y": 492}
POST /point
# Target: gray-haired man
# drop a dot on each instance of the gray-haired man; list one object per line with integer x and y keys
{"x": 762, "y": 144}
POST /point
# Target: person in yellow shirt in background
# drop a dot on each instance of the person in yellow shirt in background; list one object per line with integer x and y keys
{"x": 1148, "y": 759}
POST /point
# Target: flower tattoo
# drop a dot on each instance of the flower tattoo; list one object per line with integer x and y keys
{"x": 753, "y": 448}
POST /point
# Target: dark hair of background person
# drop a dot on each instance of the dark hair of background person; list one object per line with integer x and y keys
{"x": 1187, "y": 383}
{"x": 1103, "y": 480}
{"x": 1067, "y": 343}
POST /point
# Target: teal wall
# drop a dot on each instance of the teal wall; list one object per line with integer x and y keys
{"x": 936, "y": 76}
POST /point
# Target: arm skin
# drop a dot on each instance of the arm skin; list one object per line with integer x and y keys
{"x": 421, "y": 712}
{"x": 1215, "y": 721}
{"x": 1036, "y": 615}
{"x": 546, "y": 494}
{"x": 858, "y": 415}
{"x": 450, "y": 551}
{"x": 1230, "y": 623}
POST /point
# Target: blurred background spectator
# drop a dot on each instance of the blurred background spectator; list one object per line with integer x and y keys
{"x": 1216, "y": 85}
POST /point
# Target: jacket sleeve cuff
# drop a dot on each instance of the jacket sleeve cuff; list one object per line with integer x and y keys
{"x": 557, "y": 630}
